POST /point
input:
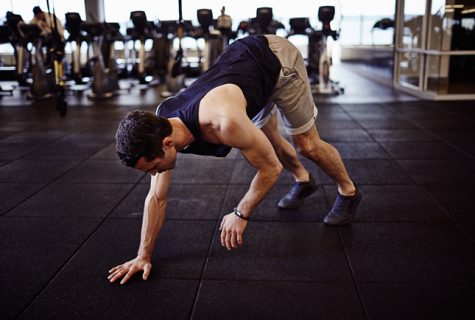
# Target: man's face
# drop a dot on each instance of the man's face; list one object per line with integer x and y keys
{"x": 40, "y": 15}
{"x": 158, "y": 165}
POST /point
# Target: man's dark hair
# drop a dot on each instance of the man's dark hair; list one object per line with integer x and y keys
{"x": 37, "y": 9}
{"x": 140, "y": 134}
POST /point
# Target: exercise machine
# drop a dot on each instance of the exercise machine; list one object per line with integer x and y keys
{"x": 19, "y": 44}
{"x": 224, "y": 24}
{"x": 105, "y": 80}
{"x": 43, "y": 83}
{"x": 176, "y": 73}
{"x": 320, "y": 60}
{"x": 5, "y": 38}
{"x": 74, "y": 25}
{"x": 214, "y": 44}
{"x": 162, "y": 46}
{"x": 142, "y": 30}
{"x": 301, "y": 27}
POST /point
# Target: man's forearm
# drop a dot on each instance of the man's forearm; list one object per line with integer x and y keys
{"x": 153, "y": 219}
{"x": 262, "y": 183}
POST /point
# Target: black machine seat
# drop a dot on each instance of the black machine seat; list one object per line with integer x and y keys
{"x": 142, "y": 28}
{"x": 170, "y": 27}
{"x": 166, "y": 27}
{"x": 74, "y": 26}
{"x": 109, "y": 31}
{"x": 112, "y": 31}
{"x": 264, "y": 17}
{"x": 139, "y": 19}
{"x": 93, "y": 29}
{"x": 299, "y": 26}
{"x": 326, "y": 15}
{"x": 205, "y": 19}
{"x": 264, "y": 23}
{"x": 384, "y": 24}
{"x": 31, "y": 31}
{"x": 13, "y": 22}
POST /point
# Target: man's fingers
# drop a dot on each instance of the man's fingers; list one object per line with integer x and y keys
{"x": 231, "y": 236}
{"x": 117, "y": 275}
{"x": 146, "y": 271}
{"x": 233, "y": 239}
{"x": 223, "y": 237}
{"x": 239, "y": 238}
{"x": 112, "y": 275}
{"x": 228, "y": 239}
{"x": 128, "y": 275}
{"x": 115, "y": 268}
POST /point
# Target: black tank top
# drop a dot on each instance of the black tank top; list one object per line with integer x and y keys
{"x": 247, "y": 63}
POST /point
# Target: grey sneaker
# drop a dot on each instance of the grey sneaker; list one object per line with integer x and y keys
{"x": 297, "y": 194}
{"x": 343, "y": 209}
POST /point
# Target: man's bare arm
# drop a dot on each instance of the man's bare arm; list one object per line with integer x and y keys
{"x": 258, "y": 151}
{"x": 236, "y": 130}
{"x": 152, "y": 222}
{"x": 223, "y": 114}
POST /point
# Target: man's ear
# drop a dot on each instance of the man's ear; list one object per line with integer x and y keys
{"x": 167, "y": 142}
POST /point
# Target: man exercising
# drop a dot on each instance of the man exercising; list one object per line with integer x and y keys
{"x": 233, "y": 105}
{"x": 47, "y": 23}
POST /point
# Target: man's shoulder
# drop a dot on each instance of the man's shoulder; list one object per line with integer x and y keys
{"x": 224, "y": 96}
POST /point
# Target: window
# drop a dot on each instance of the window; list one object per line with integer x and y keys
{"x": 367, "y": 22}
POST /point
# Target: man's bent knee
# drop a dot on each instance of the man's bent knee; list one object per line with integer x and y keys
{"x": 308, "y": 148}
{"x": 307, "y": 143}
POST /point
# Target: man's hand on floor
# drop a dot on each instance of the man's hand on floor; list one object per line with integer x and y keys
{"x": 232, "y": 227}
{"x": 129, "y": 268}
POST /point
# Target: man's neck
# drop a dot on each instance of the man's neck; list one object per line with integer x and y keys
{"x": 182, "y": 137}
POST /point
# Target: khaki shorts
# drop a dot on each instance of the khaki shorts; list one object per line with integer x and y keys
{"x": 292, "y": 95}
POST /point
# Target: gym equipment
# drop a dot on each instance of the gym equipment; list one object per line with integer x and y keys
{"x": 162, "y": 46}
{"x": 264, "y": 22}
{"x": 176, "y": 75}
{"x": 224, "y": 24}
{"x": 242, "y": 29}
{"x": 141, "y": 31}
{"x": 5, "y": 38}
{"x": 56, "y": 52}
{"x": 105, "y": 81}
{"x": 214, "y": 44}
{"x": 383, "y": 24}
{"x": 112, "y": 36}
{"x": 320, "y": 60}
{"x": 43, "y": 82}
{"x": 301, "y": 27}
{"x": 76, "y": 34}
{"x": 191, "y": 64}
{"x": 19, "y": 46}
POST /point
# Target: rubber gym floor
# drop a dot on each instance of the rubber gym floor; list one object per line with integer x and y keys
{"x": 69, "y": 211}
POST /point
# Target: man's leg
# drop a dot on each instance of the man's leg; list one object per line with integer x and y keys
{"x": 285, "y": 151}
{"x": 304, "y": 184}
{"x": 329, "y": 160}
{"x": 326, "y": 157}
{"x": 293, "y": 96}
